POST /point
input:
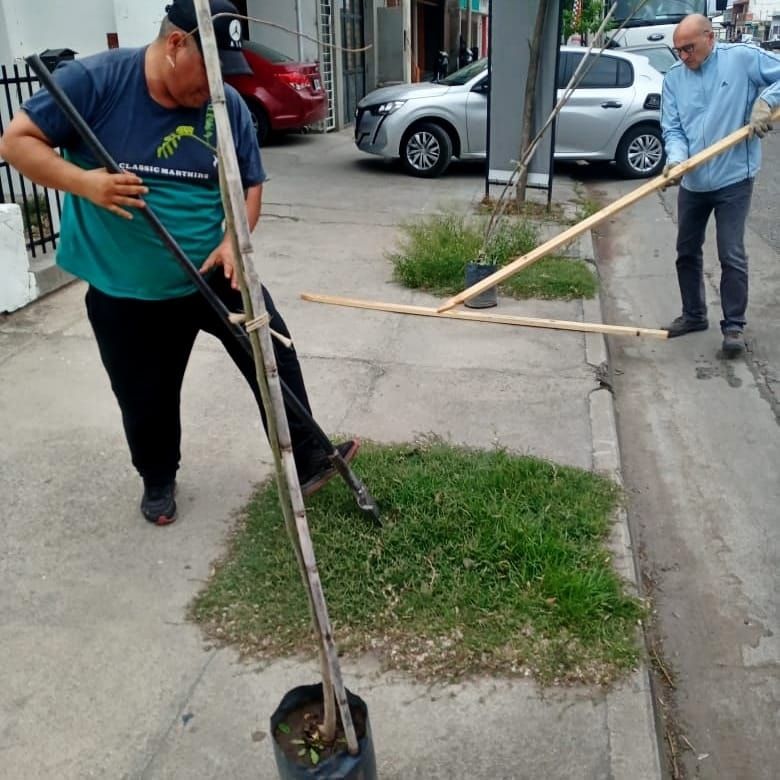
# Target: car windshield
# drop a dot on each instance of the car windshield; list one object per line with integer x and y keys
{"x": 266, "y": 52}
{"x": 465, "y": 75}
{"x": 656, "y": 11}
{"x": 661, "y": 57}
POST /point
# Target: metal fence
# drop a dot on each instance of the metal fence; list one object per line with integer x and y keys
{"x": 41, "y": 206}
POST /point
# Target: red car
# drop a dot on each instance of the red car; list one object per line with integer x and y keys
{"x": 281, "y": 94}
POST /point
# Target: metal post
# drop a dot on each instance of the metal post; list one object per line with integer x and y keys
{"x": 407, "y": 54}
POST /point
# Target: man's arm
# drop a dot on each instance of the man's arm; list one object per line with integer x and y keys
{"x": 675, "y": 140}
{"x": 223, "y": 254}
{"x": 254, "y": 203}
{"x": 26, "y": 148}
{"x": 767, "y": 74}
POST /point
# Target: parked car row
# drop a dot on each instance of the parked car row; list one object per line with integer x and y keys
{"x": 614, "y": 114}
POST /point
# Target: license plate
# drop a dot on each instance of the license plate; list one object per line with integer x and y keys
{"x": 316, "y": 84}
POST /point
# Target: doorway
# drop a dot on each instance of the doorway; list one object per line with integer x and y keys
{"x": 428, "y": 38}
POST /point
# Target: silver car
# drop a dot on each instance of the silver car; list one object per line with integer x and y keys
{"x": 613, "y": 115}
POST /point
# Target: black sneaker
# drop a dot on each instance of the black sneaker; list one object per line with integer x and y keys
{"x": 733, "y": 342}
{"x": 158, "y": 505}
{"x": 681, "y": 326}
{"x": 322, "y": 470}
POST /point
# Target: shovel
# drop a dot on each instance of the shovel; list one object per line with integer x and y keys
{"x": 363, "y": 498}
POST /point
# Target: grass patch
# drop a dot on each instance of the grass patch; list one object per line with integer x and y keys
{"x": 586, "y": 205}
{"x": 553, "y": 277}
{"x": 434, "y": 251}
{"x": 486, "y": 562}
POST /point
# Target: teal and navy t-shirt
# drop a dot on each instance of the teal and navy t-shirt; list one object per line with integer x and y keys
{"x": 172, "y": 150}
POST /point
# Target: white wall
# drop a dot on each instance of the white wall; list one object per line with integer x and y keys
{"x": 9, "y": 32}
{"x": 35, "y": 25}
{"x": 763, "y": 9}
{"x": 137, "y": 22}
{"x": 28, "y": 26}
{"x": 284, "y": 12}
{"x": 18, "y": 285}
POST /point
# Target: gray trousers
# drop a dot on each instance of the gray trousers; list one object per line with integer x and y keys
{"x": 731, "y": 205}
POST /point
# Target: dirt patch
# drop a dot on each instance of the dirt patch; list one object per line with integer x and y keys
{"x": 298, "y": 735}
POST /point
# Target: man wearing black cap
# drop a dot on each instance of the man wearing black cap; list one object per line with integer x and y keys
{"x": 227, "y": 31}
{"x": 150, "y": 108}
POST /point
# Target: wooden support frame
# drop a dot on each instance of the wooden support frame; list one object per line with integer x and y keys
{"x": 334, "y": 691}
{"x": 497, "y": 319}
{"x": 600, "y": 216}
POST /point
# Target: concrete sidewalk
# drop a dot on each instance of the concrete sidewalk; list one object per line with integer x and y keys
{"x": 101, "y": 674}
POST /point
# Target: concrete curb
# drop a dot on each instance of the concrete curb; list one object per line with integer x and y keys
{"x": 633, "y": 742}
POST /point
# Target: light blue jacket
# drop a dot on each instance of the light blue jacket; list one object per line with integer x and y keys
{"x": 700, "y": 107}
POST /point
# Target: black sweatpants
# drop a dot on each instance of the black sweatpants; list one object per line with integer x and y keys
{"x": 145, "y": 347}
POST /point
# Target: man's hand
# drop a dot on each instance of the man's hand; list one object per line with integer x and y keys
{"x": 223, "y": 255}
{"x": 112, "y": 191}
{"x": 759, "y": 119}
{"x": 672, "y": 181}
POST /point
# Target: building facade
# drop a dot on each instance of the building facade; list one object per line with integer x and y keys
{"x": 360, "y": 44}
{"x": 757, "y": 18}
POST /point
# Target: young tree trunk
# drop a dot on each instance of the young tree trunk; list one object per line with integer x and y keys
{"x": 290, "y": 496}
{"x": 535, "y": 51}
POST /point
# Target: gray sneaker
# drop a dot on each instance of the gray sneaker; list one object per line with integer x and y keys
{"x": 733, "y": 342}
{"x": 681, "y": 326}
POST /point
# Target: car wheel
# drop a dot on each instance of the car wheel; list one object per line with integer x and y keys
{"x": 426, "y": 150}
{"x": 260, "y": 122}
{"x": 640, "y": 153}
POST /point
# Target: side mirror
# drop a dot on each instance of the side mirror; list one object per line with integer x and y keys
{"x": 483, "y": 87}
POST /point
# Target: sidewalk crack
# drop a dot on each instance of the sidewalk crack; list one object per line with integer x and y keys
{"x": 145, "y": 772}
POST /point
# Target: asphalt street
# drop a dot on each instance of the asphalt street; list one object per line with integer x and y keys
{"x": 701, "y": 446}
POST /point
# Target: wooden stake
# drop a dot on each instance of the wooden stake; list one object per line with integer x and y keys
{"x": 600, "y": 216}
{"x": 498, "y": 319}
{"x": 290, "y": 496}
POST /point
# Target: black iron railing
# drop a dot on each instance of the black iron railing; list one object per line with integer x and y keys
{"x": 41, "y": 206}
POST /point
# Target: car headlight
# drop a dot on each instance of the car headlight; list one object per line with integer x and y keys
{"x": 389, "y": 107}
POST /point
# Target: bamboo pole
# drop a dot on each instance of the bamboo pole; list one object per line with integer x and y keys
{"x": 290, "y": 495}
{"x": 497, "y": 319}
{"x": 600, "y": 216}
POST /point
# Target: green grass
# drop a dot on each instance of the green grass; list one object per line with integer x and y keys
{"x": 433, "y": 253}
{"x": 586, "y": 205}
{"x": 553, "y": 277}
{"x": 485, "y": 562}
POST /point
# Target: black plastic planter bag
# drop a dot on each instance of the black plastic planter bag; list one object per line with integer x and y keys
{"x": 341, "y": 766}
{"x": 476, "y": 272}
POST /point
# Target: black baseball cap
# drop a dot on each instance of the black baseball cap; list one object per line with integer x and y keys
{"x": 227, "y": 31}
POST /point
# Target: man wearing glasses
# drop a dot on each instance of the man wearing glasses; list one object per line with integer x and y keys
{"x": 714, "y": 90}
